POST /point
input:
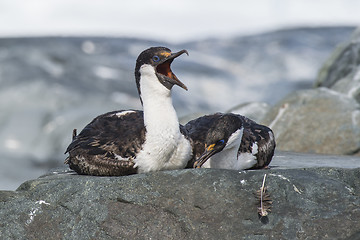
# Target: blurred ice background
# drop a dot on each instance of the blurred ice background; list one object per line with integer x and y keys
{"x": 170, "y": 20}
{"x": 240, "y": 51}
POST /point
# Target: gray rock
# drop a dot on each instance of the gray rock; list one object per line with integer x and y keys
{"x": 316, "y": 121}
{"x": 327, "y": 119}
{"x": 253, "y": 110}
{"x": 320, "y": 203}
{"x": 185, "y": 119}
{"x": 341, "y": 72}
{"x": 290, "y": 160}
{"x": 349, "y": 85}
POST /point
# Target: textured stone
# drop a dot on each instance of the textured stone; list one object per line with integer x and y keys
{"x": 326, "y": 119}
{"x": 341, "y": 72}
{"x": 253, "y": 110}
{"x": 186, "y": 204}
{"x": 316, "y": 121}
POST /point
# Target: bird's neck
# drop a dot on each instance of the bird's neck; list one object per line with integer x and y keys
{"x": 228, "y": 157}
{"x": 165, "y": 147}
{"x": 159, "y": 112}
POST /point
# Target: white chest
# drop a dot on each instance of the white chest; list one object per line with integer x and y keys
{"x": 164, "y": 151}
{"x": 229, "y": 158}
{"x": 164, "y": 147}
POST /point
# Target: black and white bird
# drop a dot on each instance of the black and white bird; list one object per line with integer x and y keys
{"x": 126, "y": 142}
{"x": 230, "y": 141}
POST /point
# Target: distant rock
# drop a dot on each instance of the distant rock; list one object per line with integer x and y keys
{"x": 341, "y": 72}
{"x": 186, "y": 204}
{"x": 316, "y": 121}
{"x": 185, "y": 119}
{"x": 253, "y": 110}
{"x": 325, "y": 119}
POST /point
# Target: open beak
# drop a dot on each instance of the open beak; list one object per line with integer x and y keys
{"x": 209, "y": 151}
{"x": 165, "y": 74}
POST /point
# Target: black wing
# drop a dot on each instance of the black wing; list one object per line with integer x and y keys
{"x": 108, "y": 144}
{"x": 197, "y": 131}
{"x": 263, "y": 136}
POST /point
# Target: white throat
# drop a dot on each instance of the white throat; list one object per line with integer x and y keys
{"x": 227, "y": 158}
{"x": 165, "y": 147}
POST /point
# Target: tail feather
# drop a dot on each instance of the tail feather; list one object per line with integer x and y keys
{"x": 74, "y": 134}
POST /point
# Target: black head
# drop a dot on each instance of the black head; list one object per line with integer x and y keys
{"x": 218, "y": 135}
{"x": 160, "y": 58}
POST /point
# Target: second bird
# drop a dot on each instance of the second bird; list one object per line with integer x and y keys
{"x": 230, "y": 141}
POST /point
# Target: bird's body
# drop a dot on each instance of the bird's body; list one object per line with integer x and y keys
{"x": 126, "y": 142}
{"x": 230, "y": 141}
{"x": 132, "y": 141}
{"x": 101, "y": 148}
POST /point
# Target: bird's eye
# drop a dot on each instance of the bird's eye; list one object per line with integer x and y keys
{"x": 156, "y": 58}
{"x": 220, "y": 142}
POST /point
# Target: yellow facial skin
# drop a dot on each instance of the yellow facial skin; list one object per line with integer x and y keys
{"x": 210, "y": 148}
{"x": 207, "y": 149}
{"x": 165, "y": 54}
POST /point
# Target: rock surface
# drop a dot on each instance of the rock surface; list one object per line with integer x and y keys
{"x": 341, "y": 72}
{"x": 308, "y": 203}
{"x": 326, "y": 119}
{"x": 317, "y": 121}
{"x": 253, "y": 110}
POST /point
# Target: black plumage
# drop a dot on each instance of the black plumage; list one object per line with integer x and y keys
{"x": 108, "y": 144}
{"x": 264, "y": 137}
{"x": 216, "y": 130}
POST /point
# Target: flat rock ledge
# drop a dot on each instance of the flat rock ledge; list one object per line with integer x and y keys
{"x": 308, "y": 203}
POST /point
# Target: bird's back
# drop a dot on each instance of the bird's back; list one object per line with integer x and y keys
{"x": 254, "y": 136}
{"x": 196, "y": 131}
{"x": 108, "y": 144}
{"x": 264, "y": 139}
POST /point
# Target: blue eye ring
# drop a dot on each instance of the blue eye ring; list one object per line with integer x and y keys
{"x": 221, "y": 141}
{"x": 156, "y": 58}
